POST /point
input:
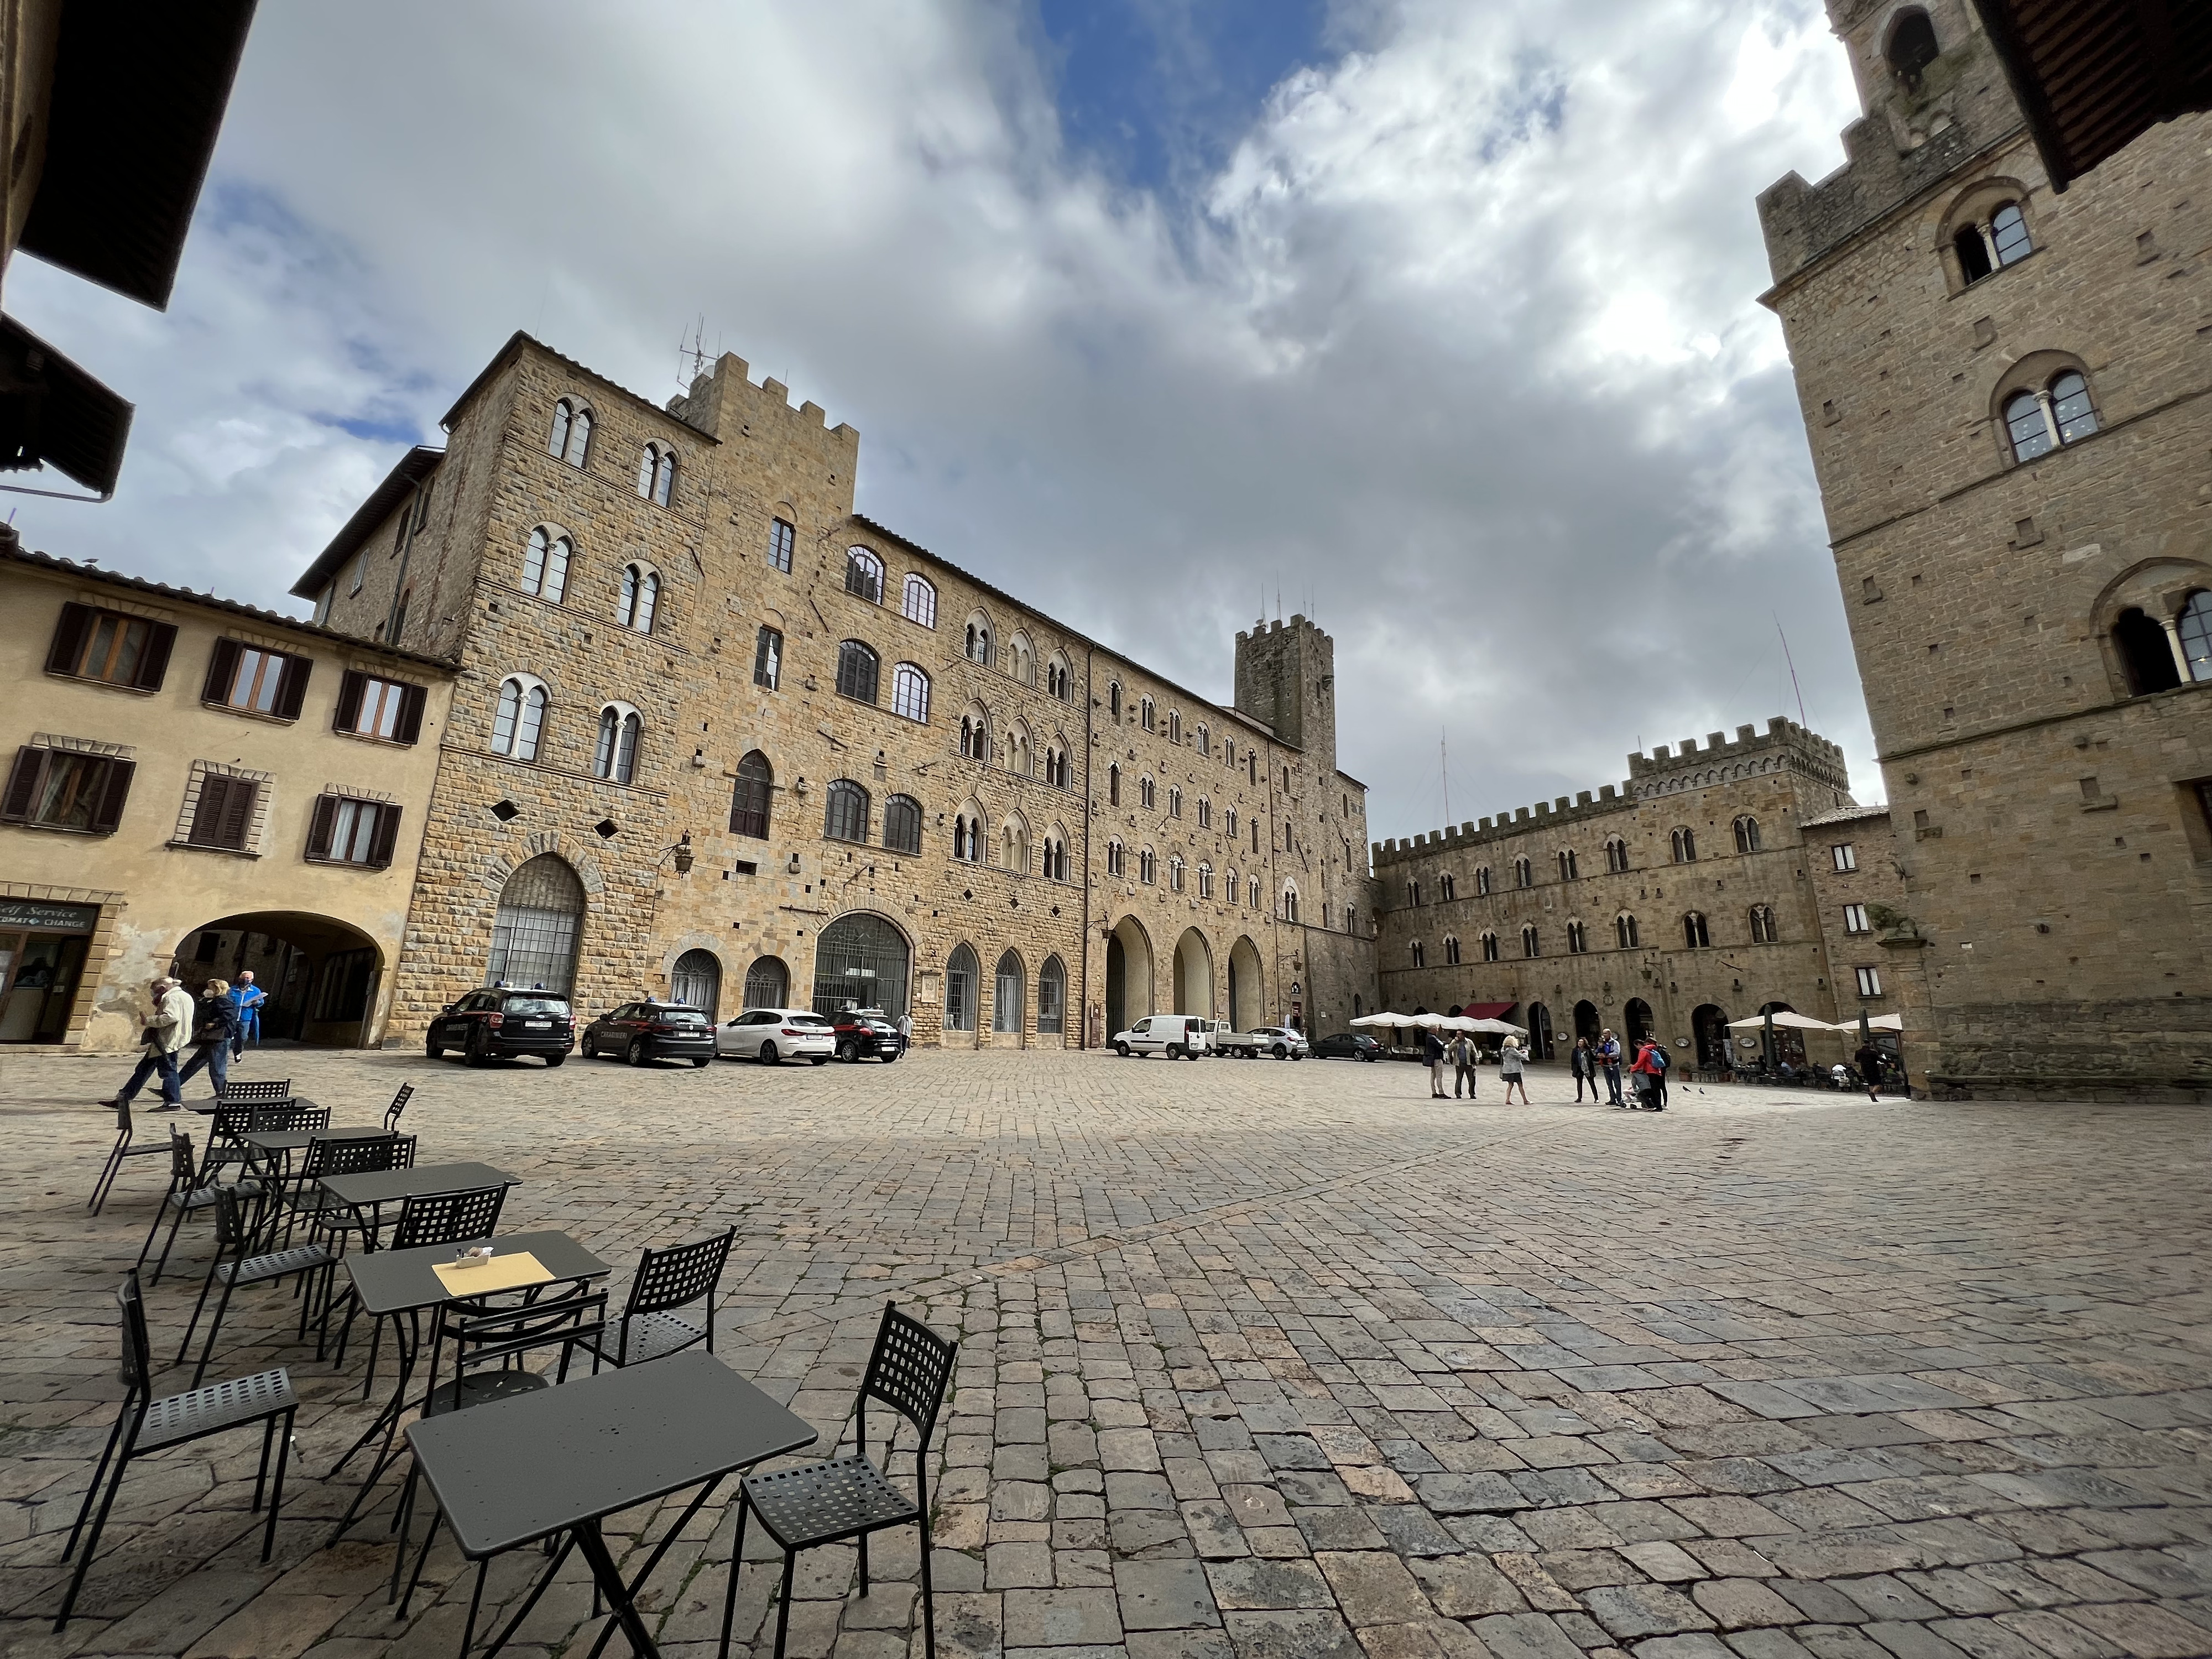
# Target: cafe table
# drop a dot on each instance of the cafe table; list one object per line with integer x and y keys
{"x": 401, "y": 1286}
{"x": 512, "y": 1472}
{"x": 371, "y": 1190}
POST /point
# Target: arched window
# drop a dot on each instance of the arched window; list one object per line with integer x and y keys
{"x": 750, "y": 800}
{"x": 1060, "y": 679}
{"x": 2194, "y": 629}
{"x": 1685, "y": 843}
{"x": 1489, "y": 947}
{"x": 1447, "y": 885}
{"x": 696, "y": 982}
{"x": 533, "y": 931}
{"x": 1524, "y": 873}
{"x": 782, "y": 538}
{"x": 1419, "y": 955}
{"x": 1694, "y": 936}
{"x": 1482, "y": 881}
{"x": 1175, "y": 873}
{"x": 974, "y": 737}
{"x": 1206, "y": 881}
{"x": 767, "y": 983}
{"x": 1205, "y": 813}
{"x": 545, "y": 565}
{"x": 1451, "y": 944}
{"x": 1913, "y": 46}
{"x": 1116, "y": 859}
{"x": 979, "y": 640}
{"x": 1204, "y": 741}
{"x": 902, "y": 825}
{"x": 845, "y": 817}
{"x": 1529, "y": 941}
{"x": 1113, "y": 702}
{"x": 1147, "y": 797}
{"x": 519, "y": 721}
{"x": 2144, "y": 653}
{"x": 1616, "y": 854}
{"x": 1986, "y": 245}
{"x": 1230, "y": 888}
{"x": 1762, "y": 925}
{"x": 656, "y": 473}
{"x": 910, "y": 693}
{"x": 640, "y": 598}
{"x": 1577, "y": 942}
{"x": 1113, "y": 786}
{"x": 1747, "y": 833}
{"x": 1055, "y": 855}
{"x": 1413, "y": 892}
{"x": 1017, "y": 750}
{"x": 1569, "y": 869}
{"x": 961, "y": 970}
{"x": 856, "y": 672}
{"x": 968, "y": 835}
{"x": 1052, "y": 996}
{"x": 1174, "y": 800}
{"x": 1014, "y": 846}
{"x": 1144, "y": 716}
{"x": 1290, "y": 903}
{"x": 1024, "y": 666}
{"x": 572, "y": 432}
{"x": 920, "y": 602}
{"x": 1175, "y": 726}
{"x": 1624, "y": 931}
{"x": 1148, "y": 866}
{"x": 1006, "y": 1000}
{"x": 2038, "y": 422}
{"x": 614, "y": 757}
{"x": 864, "y": 574}
{"x": 1252, "y": 892}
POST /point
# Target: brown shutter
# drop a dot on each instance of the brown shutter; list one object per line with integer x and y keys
{"x": 222, "y": 671}
{"x": 207, "y": 815}
{"x": 387, "y": 836}
{"x": 411, "y": 699}
{"x": 115, "y": 790}
{"x": 69, "y": 639}
{"x": 23, "y": 784}
{"x": 350, "y": 685}
{"x": 292, "y": 687}
{"x": 237, "y": 814}
{"x": 318, "y": 827}
{"x": 154, "y": 661}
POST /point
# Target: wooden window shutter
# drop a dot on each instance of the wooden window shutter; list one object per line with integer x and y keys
{"x": 223, "y": 669}
{"x": 411, "y": 699}
{"x": 237, "y": 814}
{"x": 69, "y": 639}
{"x": 23, "y": 785}
{"x": 115, "y": 789}
{"x": 318, "y": 828}
{"x": 207, "y": 816}
{"x": 154, "y": 661}
{"x": 387, "y": 836}
{"x": 350, "y": 685}
{"x": 292, "y": 687}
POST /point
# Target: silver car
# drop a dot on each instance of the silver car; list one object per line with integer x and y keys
{"x": 772, "y": 1036}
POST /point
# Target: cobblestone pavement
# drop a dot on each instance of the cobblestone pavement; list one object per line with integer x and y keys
{"x": 1259, "y": 1360}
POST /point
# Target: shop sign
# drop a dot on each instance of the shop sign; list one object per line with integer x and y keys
{"x": 40, "y": 917}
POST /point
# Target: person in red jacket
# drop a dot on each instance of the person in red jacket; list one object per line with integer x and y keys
{"x": 1647, "y": 1073}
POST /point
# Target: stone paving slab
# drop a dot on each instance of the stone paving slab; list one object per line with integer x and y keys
{"x": 1256, "y": 1360}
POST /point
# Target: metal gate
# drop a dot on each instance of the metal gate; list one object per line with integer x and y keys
{"x": 697, "y": 982}
{"x": 861, "y": 962}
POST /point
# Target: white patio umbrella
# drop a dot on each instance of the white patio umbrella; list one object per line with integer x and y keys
{"x": 1495, "y": 1027}
{"x": 1384, "y": 1019}
{"x": 1794, "y": 1021}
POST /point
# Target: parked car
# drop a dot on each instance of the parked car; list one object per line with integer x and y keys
{"x": 639, "y": 1031}
{"x": 864, "y": 1034}
{"x": 500, "y": 1024}
{"x": 1347, "y": 1045}
{"x": 772, "y": 1036}
{"x": 1179, "y": 1036}
{"x": 1280, "y": 1041}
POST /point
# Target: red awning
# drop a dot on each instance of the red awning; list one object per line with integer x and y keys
{"x": 1488, "y": 1009}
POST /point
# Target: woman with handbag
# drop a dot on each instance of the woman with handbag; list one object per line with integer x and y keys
{"x": 214, "y": 1029}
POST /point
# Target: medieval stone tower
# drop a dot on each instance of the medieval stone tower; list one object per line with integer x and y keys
{"x": 1287, "y": 676}
{"x": 2005, "y": 391}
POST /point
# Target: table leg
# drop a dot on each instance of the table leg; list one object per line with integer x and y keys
{"x": 405, "y": 1345}
{"x": 609, "y": 1578}
{"x": 544, "y": 1579}
{"x": 654, "y": 1561}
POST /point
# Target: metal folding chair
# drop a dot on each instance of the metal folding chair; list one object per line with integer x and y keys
{"x": 843, "y": 1497}
{"x": 123, "y": 1149}
{"x": 185, "y": 1196}
{"x": 233, "y": 1267}
{"x": 398, "y": 1105}
{"x": 264, "y": 1091}
{"x": 667, "y": 1280}
{"x": 146, "y": 1424}
{"x": 427, "y": 1218}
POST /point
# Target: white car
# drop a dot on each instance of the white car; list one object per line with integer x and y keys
{"x": 772, "y": 1036}
{"x": 1179, "y": 1036}
{"x": 1281, "y": 1041}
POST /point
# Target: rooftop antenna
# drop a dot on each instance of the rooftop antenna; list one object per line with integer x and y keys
{"x": 695, "y": 353}
{"x": 1802, "y": 720}
{"x": 1444, "y": 764}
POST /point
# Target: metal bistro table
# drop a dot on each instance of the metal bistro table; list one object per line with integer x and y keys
{"x": 513, "y": 1472}
{"x": 374, "y": 1190}
{"x": 400, "y": 1285}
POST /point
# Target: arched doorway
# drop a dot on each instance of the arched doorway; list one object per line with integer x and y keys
{"x": 1637, "y": 1017}
{"x": 1587, "y": 1023}
{"x": 961, "y": 972}
{"x": 861, "y": 962}
{"x": 1129, "y": 976}
{"x": 322, "y": 977}
{"x": 534, "y": 934}
{"x": 697, "y": 982}
{"x": 1539, "y": 1032}
{"x": 1247, "y": 992}
{"x": 1008, "y": 983}
{"x": 1194, "y": 975}
{"x": 767, "y": 983}
{"x": 1709, "y": 1027}
{"x": 1052, "y": 1003}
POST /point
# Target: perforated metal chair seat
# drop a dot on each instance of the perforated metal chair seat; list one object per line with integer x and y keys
{"x": 219, "y": 1406}
{"x": 258, "y": 1269}
{"x": 822, "y": 1502}
{"x": 651, "y": 1336}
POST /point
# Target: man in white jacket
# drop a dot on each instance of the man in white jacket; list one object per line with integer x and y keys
{"x": 166, "y": 1032}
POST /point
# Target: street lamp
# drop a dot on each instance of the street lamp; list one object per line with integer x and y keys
{"x": 683, "y": 851}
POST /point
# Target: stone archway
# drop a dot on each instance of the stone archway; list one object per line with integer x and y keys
{"x": 1194, "y": 975}
{"x": 1587, "y": 1023}
{"x": 696, "y": 982}
{"x": 1636, "y": 1017}
{"x": 1129, "y": 976}
{"x": 534, "y": 935}
{"x": 1709, "y": 1027}
{"x": 324, "y": 978}
{"x": 1248, "y": 991}
{"x": 862, "y": 960}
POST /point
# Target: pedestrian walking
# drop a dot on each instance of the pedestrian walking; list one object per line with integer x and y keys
{"x": 1646, "y": 1072}
{"x": 246, "y": 998}
{"x": 164, "y": 1033}
{"x": 1584, "y": 1062}
{"x": 1869, "y": 1059}
{"x": 906, "y": 1032}
{"x": 1608, "y": 1056}
{"x": 1510, "y": 1059}
{"x": 1462, "y": 1060}
{"x": 215, "y": 1032}
{"x": 1661, "y": 1063}
{"x": 1432, "y": 1050}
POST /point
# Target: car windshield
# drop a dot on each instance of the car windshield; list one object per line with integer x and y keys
{"x": 535, "y": 1005}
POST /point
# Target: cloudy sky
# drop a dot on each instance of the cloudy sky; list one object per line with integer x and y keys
{"x": 1434, "y": 317}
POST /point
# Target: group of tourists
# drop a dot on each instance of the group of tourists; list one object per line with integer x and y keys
{"x": 1647, "y": 1064}
{"x": 1601, "y": 1056}
{"x": 1460, "y": 1054}
{"x": 216, "y": 1028}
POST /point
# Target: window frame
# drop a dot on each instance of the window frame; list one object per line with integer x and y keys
{"x": 898, "y": 811}
{"x": 637, "y": 602}
{"x": 768, "y": 659}
{"x": 752, "y": 796}
{"x": 1845, "y": 855}
{"x": 782, "y": 542}
{"x": 527, "y": 688}
{"x": 1869, "y": 979}
{"x": 910, "y": 693}
{"x": 323, "y": 825}
{"x": 849, "y": 791}
{"x": 919, "y": 594}
{"x": 356, "y": 703}
{"x": 76, "y": 630}
{"x": 614, "y": 748}
{"x": 232, "y": 660}
{"x": 105, "y": 787}
{"x": 850, "y": 653}
{"x": 864, "y": 574}
{"x": 1856, "y": 921}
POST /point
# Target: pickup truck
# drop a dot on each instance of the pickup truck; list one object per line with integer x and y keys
{"x": 1280, "y": 1041}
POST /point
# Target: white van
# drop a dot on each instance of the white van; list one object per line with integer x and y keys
{"x": 1179, "y": 1036}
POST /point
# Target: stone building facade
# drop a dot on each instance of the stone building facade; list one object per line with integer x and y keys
{"x": 2005, "y": 388}
{"x": 721, "y": 736}
{"x": 1717, "y": 881}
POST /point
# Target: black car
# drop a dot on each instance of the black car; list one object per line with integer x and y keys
{"x": 1347, "y": 1045}
{"x": 868, "y": 1036}
{"x": 500, "y": 1024}
{"x": 639, "y": 1032}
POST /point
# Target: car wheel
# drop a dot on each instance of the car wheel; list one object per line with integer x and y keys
{"x": 1174, "y": 1051}
{"x": 552, "y": 1060}
{"x": 1280, "y": 1051}
{"x": 1123, "y": 1049}
{"x": 1295, "y": 1055}
{"x": 768, "y": 1054}
{"x": 474, "y": 1053}
{"x": 849, "y": 1051}
{"x": 700, "y": 1060}
{"x": 636, "y": 1053}
{"x": 432, "y": 1047}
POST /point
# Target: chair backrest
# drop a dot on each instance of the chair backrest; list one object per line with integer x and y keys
{"x": 182, "y": 1170}
{"x": 676, "y": 1278}
{"x": 398, "y": 1105}
{"x": 231, "y": 1230}
{"x": 278, "y": 1090}
{"x": 908, "y": 1371}
{"x": 137, "y": 1369}
{"x": 291, "y": 1120}
{"x": 123, "y": 1120}
{"x": 403, "y": 1155}
{"x": 447, "y": 1218}
{"x": 357, "y": 1155}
